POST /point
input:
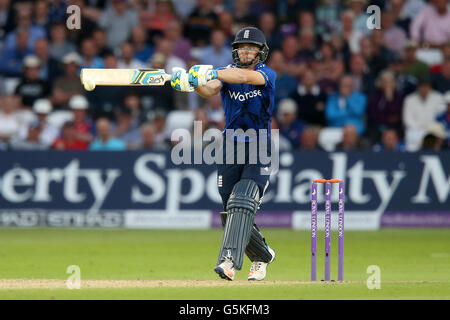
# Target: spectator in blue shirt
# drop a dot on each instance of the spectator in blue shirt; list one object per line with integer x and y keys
{"x": 285, "y": 83}
{"x": 11, "y": 61}
{"x": 390, "y": 141}
{"x": 24, "y": 20}
{"x": 346, "y": 106}
{"x": 217, "y": 54}
{"x": 57, "y": 10}
{"x": 89, "y": 54}
{"x": 142, "y": 50}
{"x": 105, "y": 141}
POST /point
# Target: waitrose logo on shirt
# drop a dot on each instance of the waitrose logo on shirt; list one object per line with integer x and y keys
{"x": 244, "y": 96}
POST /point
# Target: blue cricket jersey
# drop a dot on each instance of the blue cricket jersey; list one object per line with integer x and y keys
{"x": 248, "y": 106}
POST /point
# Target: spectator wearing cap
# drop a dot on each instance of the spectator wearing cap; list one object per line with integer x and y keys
{"x": 9, "y": 120}
{"x": 290, "y": 127}
{"x": 82, "y": 124}
{"x": 384, "y": 108}
{"x": 310, "y": 99}
{"x": 89, "y": 54}
{"x": 105, "y": 141}
{"x": 48, "y": 133}
{"x": 31, "y": 140}
{"x": 31, "y": 87}
{"x": 434, "y": 137}
{"x": 413, "y": 66}
{"x": 441, "y": 81}
{"x": 432, "y": 24}
{"x": 68, "y": 84}
{"x": 127, "y": 59}
{"x": 444, "y": 119}
{"x": 68, "y": 140}
{"x": 217, "y": 53}
{"x": 11, "y": 60}
{"x": 351, "y": 140}
{"x": 346, "y": 106}
{"x": 405, "y": 83}
{"x": 390, "y": 141}
{"x": 118, "y": 20}
{"x": 50, "y": 68}
{"x": 127, "y": 128}
{"x": 59, "y": 45}
{"x": 420, "y": 109}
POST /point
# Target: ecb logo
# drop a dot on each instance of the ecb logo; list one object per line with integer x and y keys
{"x": 74, "y": 19}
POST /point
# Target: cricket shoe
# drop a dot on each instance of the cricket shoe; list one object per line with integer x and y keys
{"x": 225, "y": 270}
{"x": 258, "y": 268}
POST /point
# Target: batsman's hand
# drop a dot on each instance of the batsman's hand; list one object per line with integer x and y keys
{"x": 200, "y": 74}
{"x": 180, "y": 80}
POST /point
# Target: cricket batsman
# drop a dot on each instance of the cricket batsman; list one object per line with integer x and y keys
{"x": 247, "y": 90}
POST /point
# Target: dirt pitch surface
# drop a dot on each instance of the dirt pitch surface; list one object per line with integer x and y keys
{"x": 8, "y": 284}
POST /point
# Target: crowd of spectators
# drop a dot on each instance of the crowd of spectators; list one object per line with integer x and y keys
{"x": 385, "y": 88}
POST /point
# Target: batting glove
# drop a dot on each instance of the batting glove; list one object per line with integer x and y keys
{"x": 200, "y": 74}
{"x": 180, "y": 80}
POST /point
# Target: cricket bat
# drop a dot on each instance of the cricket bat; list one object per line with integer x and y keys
{"x": 90, "y": 78}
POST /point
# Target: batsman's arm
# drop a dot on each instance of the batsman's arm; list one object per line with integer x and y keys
{"x": 210, "y": 89}
{"x": 230, "y": 75}
{"x": 237, "y": 75}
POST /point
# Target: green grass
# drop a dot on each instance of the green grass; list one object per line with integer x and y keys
{"x": 414, "y": 263}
